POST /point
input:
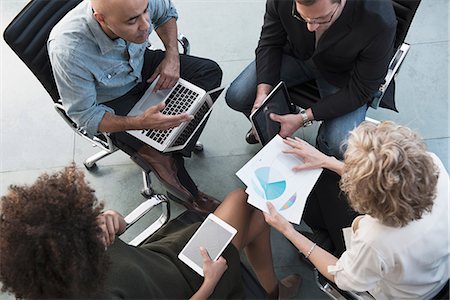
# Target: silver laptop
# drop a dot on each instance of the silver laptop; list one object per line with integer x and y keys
{"x": 183, "y": 97}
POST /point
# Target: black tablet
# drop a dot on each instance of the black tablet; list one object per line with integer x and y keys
{"x": 277, "y": 102}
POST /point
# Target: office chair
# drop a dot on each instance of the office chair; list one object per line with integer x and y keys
{"x": 27, "y": 36}
{"x": 308, "y": 93}
{"x": 252, "y": 288}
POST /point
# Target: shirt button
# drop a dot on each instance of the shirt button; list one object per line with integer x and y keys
{"x": 131, "y": 61}
{"x": 109, "y": 76}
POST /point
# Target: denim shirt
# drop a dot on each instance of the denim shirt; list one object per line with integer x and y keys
{"x": 90, "y": 68}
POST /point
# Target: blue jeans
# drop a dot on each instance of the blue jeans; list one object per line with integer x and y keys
{"x": 332, "y": 133}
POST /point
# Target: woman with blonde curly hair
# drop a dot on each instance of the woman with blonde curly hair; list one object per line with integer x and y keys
{"x": 398, "y": 247}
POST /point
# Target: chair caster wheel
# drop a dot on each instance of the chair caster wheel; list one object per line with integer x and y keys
{"x": 147, "y": 193}
{"x": 91, "y": 167}
{"x": 198, "y": 147}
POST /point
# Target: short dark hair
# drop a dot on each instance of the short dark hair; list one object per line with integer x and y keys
{"x": 311, "y": 2}
{"x": 49, "y": 242}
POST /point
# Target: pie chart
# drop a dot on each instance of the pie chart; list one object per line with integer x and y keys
{"x": 269, "y": 183}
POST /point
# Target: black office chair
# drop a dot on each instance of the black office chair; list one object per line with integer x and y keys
{"x": 252, "y": 287}
{"x": 308, "y": 93}
{"x": 27, "y": 36}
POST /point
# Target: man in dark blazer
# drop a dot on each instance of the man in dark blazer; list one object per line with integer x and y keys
{"x": 345, "y": 45}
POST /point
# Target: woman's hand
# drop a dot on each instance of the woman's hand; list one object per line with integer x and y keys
{"x": 111, "y": 223}
{"x": 213, "y": 271}
{"x": 277, "y": 221}
{"x": 312, "y": 158}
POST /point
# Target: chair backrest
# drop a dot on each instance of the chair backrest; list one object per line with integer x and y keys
{"x": 27, "y": 36}
{"x": 404, "y": 11}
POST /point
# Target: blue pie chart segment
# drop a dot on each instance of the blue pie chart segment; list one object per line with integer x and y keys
{"x": 272, "y": 184}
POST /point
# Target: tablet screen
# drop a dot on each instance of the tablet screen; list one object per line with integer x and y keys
{"x": 276, "y": 102}
{"x": 214, "y": 235}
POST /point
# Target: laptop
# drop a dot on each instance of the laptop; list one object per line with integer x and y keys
{"x": 183, "y": 97}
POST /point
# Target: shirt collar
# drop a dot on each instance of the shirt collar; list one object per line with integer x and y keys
{"x": 104, "y": 42}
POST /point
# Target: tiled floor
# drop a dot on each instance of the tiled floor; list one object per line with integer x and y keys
{"x": 34, "y": 139}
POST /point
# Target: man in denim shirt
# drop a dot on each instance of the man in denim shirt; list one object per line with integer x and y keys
{"x": 102, "y": 67}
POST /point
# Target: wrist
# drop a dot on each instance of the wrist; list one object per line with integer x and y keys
{"x": 207, "y": 287}
{"x": 306, "y": 117}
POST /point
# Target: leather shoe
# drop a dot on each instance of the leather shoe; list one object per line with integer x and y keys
{"x": 288, "y": 286}
{"x": 206, "y": 203}
{"x": 165, "y": 169}
{"x": 251, "y": 138}
{"x": 202, "y": 203}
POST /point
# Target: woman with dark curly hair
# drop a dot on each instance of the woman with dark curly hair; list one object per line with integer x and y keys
{"x": 56, "y": 242}
{"x": 399, "y": 247}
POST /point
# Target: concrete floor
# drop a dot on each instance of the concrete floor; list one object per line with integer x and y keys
{"x": 34, "y": 139}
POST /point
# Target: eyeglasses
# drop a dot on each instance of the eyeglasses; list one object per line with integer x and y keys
{"x": 317, "y": 21}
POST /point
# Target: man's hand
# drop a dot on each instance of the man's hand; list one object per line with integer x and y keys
{"x": 168, "y": 71}
{"x": 111, "y": 223}
{"x": 277, "y": 221}
{"x": 152, "y": 118}
{"x": 262, "y": 90}
{"x": 289, "y": 123}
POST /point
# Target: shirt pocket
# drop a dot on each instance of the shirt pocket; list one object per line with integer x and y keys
{"x": 114, "y": 76}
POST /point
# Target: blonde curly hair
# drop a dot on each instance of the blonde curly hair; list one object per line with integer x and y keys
{"x": 388, "y": 174}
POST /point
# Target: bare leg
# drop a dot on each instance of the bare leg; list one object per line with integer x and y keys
{"x": 253, "y": 234}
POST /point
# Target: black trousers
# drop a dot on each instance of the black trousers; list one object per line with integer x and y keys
{"x": 327, "y": 209}
{"x": 202, "y": 72}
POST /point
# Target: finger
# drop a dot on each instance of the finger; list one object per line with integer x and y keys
{"x": 275, "y": 117}
{"x": 174, "y": 121}
{"x": 157, "y": 108}
{"x": 110, "y": 230}
{"x": 301, "y": 167}
{"x": 271, "y": 208}
{"x": 159, "y": 85}
{"x": 204, "y": 253}
{"x": 154, "y": 75}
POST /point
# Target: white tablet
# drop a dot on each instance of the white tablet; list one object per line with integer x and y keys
{"x": 214, "y": 235}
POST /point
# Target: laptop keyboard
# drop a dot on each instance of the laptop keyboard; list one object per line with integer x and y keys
{"x": 189, "y": 130}
{"x": 179, "y": 101}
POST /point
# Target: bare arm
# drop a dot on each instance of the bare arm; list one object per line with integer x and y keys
{"x": 169, "y": 68}
{"x": 313, "y": 158}
{"x": 152, "y": 118}
{"x": 320, "y": 258}
{"x": 213, "y": 271}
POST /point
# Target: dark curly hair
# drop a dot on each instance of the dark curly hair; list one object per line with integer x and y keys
{"x": 49, "y": 245}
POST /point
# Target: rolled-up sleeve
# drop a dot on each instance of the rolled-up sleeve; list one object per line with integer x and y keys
{"x": 161, "y": 11}
{"x": 358, "y": 269}
{"x": 76, "y": 87}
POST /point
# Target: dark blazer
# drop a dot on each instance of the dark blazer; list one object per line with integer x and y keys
{"x": 353, "y": 54}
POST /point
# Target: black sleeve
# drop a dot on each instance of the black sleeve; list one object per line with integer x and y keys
{"x": 270, "y": 46}
{"x": 367, "y": 75}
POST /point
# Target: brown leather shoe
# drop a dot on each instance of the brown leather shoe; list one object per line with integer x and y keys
{"x": 164, "y": 168}
{"x": 202, "y": 204}
{"x": 206, "y": 203}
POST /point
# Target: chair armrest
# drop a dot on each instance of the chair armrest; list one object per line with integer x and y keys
{"x": 392, "y": 71}
{"x": 334, "y": 292}
{"x": 394, "y": 65}
{"x": 103, "y": 141}
{"x": 143, "y": 209}
{"x": 184, "y": 42}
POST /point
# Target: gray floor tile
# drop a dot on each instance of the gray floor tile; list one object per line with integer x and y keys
{"x": 422, "y": 91}
{"x": 430, "y": 23}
